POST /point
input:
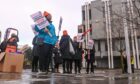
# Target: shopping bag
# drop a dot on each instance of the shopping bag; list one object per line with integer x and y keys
{"x": 71, "y": 48}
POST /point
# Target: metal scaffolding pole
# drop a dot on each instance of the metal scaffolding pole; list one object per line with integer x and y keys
{"x": 107, "y": 31}
{"x": 110, "y": 33}
{"x": 130, "y": 12}
{"x": 87, "y": 22}
{"x": 135, "y": 37}
{"x": 125, "y": 24}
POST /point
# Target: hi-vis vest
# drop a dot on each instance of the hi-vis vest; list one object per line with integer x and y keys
{"x": 132, "y": 60}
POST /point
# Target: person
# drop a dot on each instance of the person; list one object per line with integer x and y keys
{"x": 11, "y": 44}
{"x": 78, "y": 55}
{"x": 3, "y": 46}
{"x": 46, "y": 43}
{"x": 124, "y": 62}
{"x": 66, "y": 55}
{"x": 132, "y": 63}
{"x": 57, "y": 57}
{"x": 35, "y": 55}
{"x": 90, "y": 59}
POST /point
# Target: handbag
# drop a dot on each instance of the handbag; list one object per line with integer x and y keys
{"x": 71, "y": 48}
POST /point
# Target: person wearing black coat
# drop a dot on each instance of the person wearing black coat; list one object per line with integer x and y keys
{"x": 12, "y": 41}
{"x": 78, "y": 55}
{"x": 66, "y": 56}
{"x": 57, "y": 57}
{"x": 90, "y": 59}
{"x": 35, "y": 55}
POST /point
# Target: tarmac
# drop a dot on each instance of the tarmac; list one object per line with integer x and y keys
{"x": 101, "y": 76}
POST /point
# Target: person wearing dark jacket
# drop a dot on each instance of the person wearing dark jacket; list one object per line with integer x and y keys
{"x": 35, "y": 55}
{"x": 57, "y": 57}
{"x": 3, "y": 46}
{"x": 66, "y": 56}
{"x": 90, "y": 59}
{"x": 48, "y": 40}
{"x": 10, "y": 45}
{"x": 78, "y": 55}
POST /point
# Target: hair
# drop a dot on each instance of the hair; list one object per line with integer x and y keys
{"x": 65, "y": 32}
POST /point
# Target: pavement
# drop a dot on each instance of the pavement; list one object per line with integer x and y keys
{"x": 101, "y": 76}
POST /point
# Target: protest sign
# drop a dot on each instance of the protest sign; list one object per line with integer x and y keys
{"x": 40, "y": 20}
{"x": 80, "y": 37}
{"x": 90, "y": 44}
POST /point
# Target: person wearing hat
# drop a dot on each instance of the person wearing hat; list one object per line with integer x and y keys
{"x": 48, "y": 42}
{"x": 66, "y": 56}
{"x": 11, "y": 45}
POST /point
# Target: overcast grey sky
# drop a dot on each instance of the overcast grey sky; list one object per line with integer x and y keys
{"x": 16, "y": 14}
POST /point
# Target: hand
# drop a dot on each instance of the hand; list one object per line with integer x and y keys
{"x": 46, "y": 30}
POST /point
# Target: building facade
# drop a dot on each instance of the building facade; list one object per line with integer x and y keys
{"x": 94, "y": 15}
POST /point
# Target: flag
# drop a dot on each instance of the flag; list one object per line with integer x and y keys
{"x": 60, "y": 23}
{"x": 89, "y": 30}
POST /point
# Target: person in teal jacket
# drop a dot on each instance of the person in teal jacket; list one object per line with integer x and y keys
{"x": 46, "y": 43}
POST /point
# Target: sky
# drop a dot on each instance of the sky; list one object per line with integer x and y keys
{"x": 16, "y": 14}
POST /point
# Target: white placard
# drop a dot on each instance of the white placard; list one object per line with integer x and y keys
{"x": 39, "y": 20}
{"x": 90, "y": 44}
{"x": 79, "y": 37}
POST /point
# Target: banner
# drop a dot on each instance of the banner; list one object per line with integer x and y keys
{"x": 60, "y": 23}
{"x": 40, "y": 20}
{"x": 89, "y": 30}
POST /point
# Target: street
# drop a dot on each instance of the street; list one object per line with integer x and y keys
{"x": 99, "y": 77}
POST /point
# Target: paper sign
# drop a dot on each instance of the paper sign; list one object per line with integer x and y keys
{"x": 80, "y": 37}
{"x": 90, "y": 44}
{"x": 36, "y": 16}
{"x": 40, "y": 20}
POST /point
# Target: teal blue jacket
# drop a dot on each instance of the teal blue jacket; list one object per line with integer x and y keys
{"x": 47, "y": 38}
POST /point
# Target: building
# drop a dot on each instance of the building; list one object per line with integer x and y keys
{"x": 94, "y": 16}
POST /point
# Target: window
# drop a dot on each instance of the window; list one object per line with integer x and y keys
{"x": 84, "y": 28}
{"x": 106, "y": 49}
{"x": 90, "y": 15}
{"x": 91, "y": 28}
{"x": 103, "y": 12}
{"x": 79, "y": 30}
{"x": 99, "y": 46}
{"x": 113, "y": 45}
{"x": 83, "y": 15}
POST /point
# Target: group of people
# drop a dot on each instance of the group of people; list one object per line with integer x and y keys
{"x": 124, "y": 62}
{"x": 49, "y": 52}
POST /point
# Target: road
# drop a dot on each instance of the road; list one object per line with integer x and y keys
{"x": 99, "y": 77}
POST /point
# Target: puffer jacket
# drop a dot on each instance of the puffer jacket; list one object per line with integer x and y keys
{"x": 47, "y": 38}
